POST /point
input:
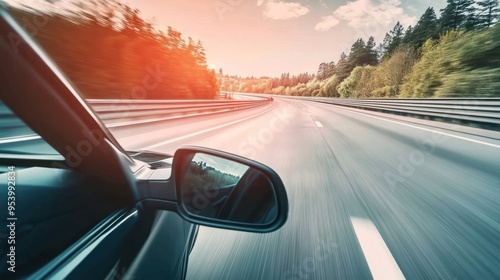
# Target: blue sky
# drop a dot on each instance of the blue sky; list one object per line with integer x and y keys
{"x": 269, "y": 37}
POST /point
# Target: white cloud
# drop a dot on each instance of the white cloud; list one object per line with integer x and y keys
{"x": 326, "y": 23}
{"x": 367, "y": 15}
{"x": 284, "y": 10}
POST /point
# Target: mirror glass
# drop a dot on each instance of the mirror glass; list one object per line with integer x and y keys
{"x": 222, "y": 189}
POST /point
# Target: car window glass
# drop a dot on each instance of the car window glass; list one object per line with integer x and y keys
{"x": 17, "y": 138}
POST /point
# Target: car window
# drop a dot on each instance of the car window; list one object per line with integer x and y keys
{"x": 17, "y": 138}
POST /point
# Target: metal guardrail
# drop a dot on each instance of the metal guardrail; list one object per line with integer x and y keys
{"x": 476, "y": 112}
{"x": 112, "y": 111}
{"x": 116, "y": 113}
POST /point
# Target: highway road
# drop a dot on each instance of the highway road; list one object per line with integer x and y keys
{"x": 371, "y": 196}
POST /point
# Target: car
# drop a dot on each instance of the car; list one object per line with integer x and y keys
{"x": 92, "y": 210}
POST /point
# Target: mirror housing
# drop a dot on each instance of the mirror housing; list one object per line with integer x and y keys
{"x": 223, "y": 190}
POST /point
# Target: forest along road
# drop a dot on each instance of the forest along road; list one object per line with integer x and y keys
{"x": 371, "y": 196}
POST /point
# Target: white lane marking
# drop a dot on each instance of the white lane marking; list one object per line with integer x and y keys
{"x": 431, "y": 130}
{"x": 205, "y": 130}
{"x": 380, "y": 260}
{"x": 318, "y": 124}
{"x": 19, "y": 139}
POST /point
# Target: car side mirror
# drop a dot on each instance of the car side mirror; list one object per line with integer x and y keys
{"x": 223, "y": 190}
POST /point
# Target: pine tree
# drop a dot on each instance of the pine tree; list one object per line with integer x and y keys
{"x": 425, "y": 29}
{"x": 382, "y": 48}
{"x": 392, "y": 40}
{"x": 488, "y": 12}
{"x": 457, "y": 14}
{"x": 397, "y": 34}
{"x": 343, "y": 67}
{"x": 370, "y": 54}
{"x": 408, "y": 38}
{"x": 356, "y": 54}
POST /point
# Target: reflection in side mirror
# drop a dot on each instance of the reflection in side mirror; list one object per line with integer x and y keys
{"x": 223, "y": 190}
{"x": 218, "y": 188}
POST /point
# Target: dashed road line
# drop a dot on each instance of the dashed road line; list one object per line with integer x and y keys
{"x": 382, "y": 264}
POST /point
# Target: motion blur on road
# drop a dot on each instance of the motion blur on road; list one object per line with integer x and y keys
{"x": 371, "y": 195}
{"x": 431, "y": 194}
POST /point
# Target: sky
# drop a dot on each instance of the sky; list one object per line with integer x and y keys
{"x": 269, "y": 37}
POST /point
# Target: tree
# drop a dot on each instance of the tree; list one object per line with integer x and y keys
{"x": 357, "y": 54}
{"x": 472, "y": 20}
{"x": 355, "y": 86}
{"x": 132, "y": 59}
{"x": 343, "y": 67}
{"x": 456, "y": 14}
{"x": 133, "y": 22}
{"x": 370, "y": 56}
{"x": 425, "y": 28}
{"x": 437, "y": 60}
{"x": 397, "y": 34}
{"x": 488, "y": 12}
{"x": 326, "y": 70}
{"x": 363, "y": 54}
{"x": 329, "y": 88}
{"x": 199, "y": 54}
{"x": 382, "y": 48}
{"x": 408, "y": 38}
{"x": 396, "y": 68}
{"x": 175, "y": 40}
{"x": 392, "y": 40}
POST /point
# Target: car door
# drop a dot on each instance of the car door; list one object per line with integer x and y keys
{"x": 78, "y": 206}
{"x": 72, "y": 211}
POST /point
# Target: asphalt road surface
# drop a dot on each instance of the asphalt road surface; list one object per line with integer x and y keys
{"x": 371, "y": 196}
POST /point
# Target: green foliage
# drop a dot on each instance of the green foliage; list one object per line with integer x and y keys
{"x": 200, "y": 176}
{"x": 461, "y": 64}
{"x": 478, "y": 83}
{"x": 425, "y": 28}
{"x": 314, "y": 88}
{"x": 356, "y": 55}
{"x": 329, "y": 87}
{"x": 478, "y": 49}
{"x": 362, "y": 54}
{"x": 392, "y": 71}
{"x": 288, "y": 80}
{"x": 344, "y": 68}
{"x": 455, "y": 55}
{"x": 360, "y": 84}
{"x": 428, "y": 72}
{"x": 456, "y": 14}
{"x": 488, "y": 12}
{"x": 396, "y": 36}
